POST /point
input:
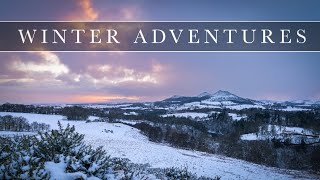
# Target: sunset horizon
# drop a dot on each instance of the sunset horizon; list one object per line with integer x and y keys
{"x": 82, "y": 77}
{"x": 160, "y": 90}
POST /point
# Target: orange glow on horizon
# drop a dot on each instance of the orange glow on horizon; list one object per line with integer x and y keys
{"x": 102, "y": 98}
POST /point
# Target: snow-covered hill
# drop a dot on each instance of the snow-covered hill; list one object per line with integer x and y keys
{"x": 120, "y": 140}
{"x": 225, "y": 96}
{"x": 225, "y": 99}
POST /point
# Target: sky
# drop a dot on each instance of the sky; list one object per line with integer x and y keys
{"x": 97, "y": 77}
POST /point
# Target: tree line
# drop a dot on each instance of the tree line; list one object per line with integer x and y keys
{"x": 20, "y": 124}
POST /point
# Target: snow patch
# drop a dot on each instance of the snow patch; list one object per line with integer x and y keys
{"x": 237, "y": 117}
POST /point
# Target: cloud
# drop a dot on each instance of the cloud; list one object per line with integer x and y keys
{"x": 83, "y": 72}
{"x": 15, "y": 82}
{"x": 50, "y": 64}
{"x": 84, "y": 12}
{"x": 103, "y": 77}
{"x": 34, "y": 70}
{"x": 129, "y": 13}
{"x": 89, "y": 12}
{"x": 102, "y": 98}
{"x": 107, "y": 74}
{"x": 80, "y": 77}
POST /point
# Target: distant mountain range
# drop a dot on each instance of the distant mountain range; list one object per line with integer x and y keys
{"x": 223, "y": 98}
{"x": 218, "y": 96}
{"x": 206, "y": 100}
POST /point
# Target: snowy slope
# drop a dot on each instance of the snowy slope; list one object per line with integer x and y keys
{"x": 127, "y": 142}
{"x": 204, "y": 94}
{"x": 224, "y": 96}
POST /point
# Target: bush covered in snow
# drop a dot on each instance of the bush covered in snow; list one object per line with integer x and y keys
{"x": 18, "y": 160}
{"x": 177, "y": 173}
{"x": 62, "y": 154}
{"x": 52, "y": 152}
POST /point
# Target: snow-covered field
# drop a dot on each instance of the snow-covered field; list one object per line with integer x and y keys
{"x": 196, "y": 105}
{"x": 294, "y": 109}
{"x": 134, "y": 108}
{"x": 237, "y": 117}
{"x": 244, "y": 106}
{"x": 127, "y": 142}
{"x": 282, "y": 132}
{"x": 100, "y": 106}
{"x": 215, "y": 103}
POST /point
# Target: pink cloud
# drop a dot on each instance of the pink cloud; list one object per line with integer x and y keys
{"x": 84, "y": 12}
{"x": 93, "y": 76}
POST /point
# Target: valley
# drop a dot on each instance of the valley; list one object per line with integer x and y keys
{"x": 211, "y": 135}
